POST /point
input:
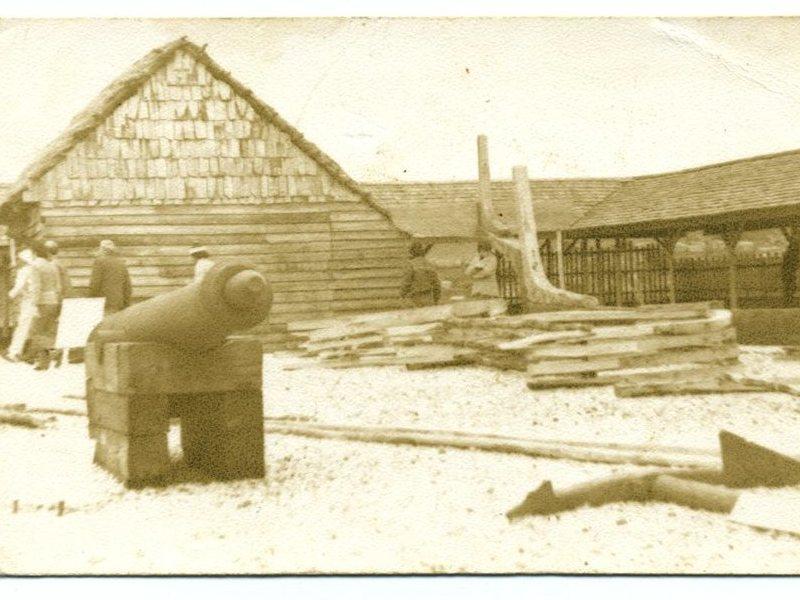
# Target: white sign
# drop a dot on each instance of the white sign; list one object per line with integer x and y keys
{"x": 78, "y": 317}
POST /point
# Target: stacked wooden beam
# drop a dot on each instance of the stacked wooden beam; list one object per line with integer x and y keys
{"x": 642, "y": 351}
{"x": 405, "y": 337}
{"x": 655, "y": 349}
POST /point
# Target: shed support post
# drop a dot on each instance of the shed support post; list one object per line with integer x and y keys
{"x": 618, "y": 280}
{"x": 560, "y": 259}
{"x": 791, "y": 260}
{"x": 668, "y": 244}
{"x": 731, "y": 239}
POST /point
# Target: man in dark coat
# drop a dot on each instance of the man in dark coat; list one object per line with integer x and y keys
{"x": 420, "y": 284}
{"x": 110, "y": 279}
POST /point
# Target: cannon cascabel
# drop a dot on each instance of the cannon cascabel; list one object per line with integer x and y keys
{"x": 231, "y": 297}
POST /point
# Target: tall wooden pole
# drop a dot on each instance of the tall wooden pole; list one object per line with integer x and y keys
{"x": 486, "y": 211}
{"x": 731, "y": 239}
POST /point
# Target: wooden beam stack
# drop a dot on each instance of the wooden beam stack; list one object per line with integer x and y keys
{"x": 405, "y": 337}
{"x": 652, "y": 349}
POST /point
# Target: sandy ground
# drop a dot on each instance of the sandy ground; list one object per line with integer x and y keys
{"x": 350, "y": 507}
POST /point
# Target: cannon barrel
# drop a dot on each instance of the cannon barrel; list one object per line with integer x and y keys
{"x": 231, "y": 297}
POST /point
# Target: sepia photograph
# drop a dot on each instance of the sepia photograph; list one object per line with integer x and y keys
{"x": 400, "y": 296}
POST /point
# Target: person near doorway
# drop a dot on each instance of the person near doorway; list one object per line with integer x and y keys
{"x": 47, "y": 281}
{"x": 420, "y": 285}
{"x": 110, "y": 278}
{"x": 24, "y": 291}
{"x": 66, "y": 288}
{"x": 482, "y": 271}
{"x": 202, "y": 261}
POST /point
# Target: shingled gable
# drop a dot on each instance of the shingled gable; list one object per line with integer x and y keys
{"x": 125, "y": 86}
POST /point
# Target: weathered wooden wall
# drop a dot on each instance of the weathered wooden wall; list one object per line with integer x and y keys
{"x": 187, "y": 160}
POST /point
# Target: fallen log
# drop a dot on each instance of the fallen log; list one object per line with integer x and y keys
{"x": 717, "y": 385}
{"x": 636, "y": 455}
{"x": 694, "y": 494}
{"x": 744, "y": 464}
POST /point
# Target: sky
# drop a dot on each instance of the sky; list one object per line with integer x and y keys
{"x": 404, "y": 99}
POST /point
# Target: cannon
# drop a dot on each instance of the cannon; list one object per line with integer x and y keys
{"x": 177, "y": 356}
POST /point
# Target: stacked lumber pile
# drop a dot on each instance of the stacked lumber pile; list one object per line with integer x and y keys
{"x": 648, "y": 350}
{"x": 643, "y": 351}
{"x": 404, "y": 337}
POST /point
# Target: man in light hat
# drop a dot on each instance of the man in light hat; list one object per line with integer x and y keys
{"x": 202, "y": 262}
{"x": 110, "y": 278}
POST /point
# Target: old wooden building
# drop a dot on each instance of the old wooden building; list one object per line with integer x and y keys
{"x": 176, "y": 152}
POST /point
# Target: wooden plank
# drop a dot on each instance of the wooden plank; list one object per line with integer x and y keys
{"x": 340, "y": 250}
{"x": 413, "y": 316}
{"x": 350, "y": 342}
{"x": 542, "y": 338}
{"x": 713, "y": 354}
{"x": 605, "y": 349}
{"x": 363, "y": 216}
{"x": 102, "y": 230}
{"x": 555, "y": 367}
{"x": 319, "y": 241}
{"x": 209, "y": 208}
{"x": 255, "y": 217}
{"x": 366, "y": 234}
{"x": 681, "y": 388}
{"x": 362, "y": 225}
{"x": 686, "y": 372}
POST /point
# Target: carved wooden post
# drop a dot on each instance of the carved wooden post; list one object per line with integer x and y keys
{"x": 731, "y": 239}
{"x": 537, "y": 288}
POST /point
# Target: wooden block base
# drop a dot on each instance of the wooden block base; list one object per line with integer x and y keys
{"x": 222, "y": 427}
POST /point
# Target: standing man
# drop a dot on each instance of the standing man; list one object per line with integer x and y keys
{"x": 110, "y": 278}
{"x": 47, "y": 286}
{"x": 24, "y": 290}
{"x": 420, "y": 284}
{"x": 66, "y": 288}
{"x": 202, "y": 262}
{"x": 66, "y": 284}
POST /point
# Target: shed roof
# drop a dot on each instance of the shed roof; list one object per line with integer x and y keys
{"x": 127, "y": 84}
{"x": 448, "y": 209}
{"x": 756, "y": 192}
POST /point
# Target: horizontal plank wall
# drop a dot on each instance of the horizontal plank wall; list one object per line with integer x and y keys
{"x": 185, "y": 160}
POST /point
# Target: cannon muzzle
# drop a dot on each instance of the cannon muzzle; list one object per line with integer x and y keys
{"x": 231, "y": 297}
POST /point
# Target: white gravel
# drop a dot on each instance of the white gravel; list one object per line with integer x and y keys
{"x": 345, "y": 507}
